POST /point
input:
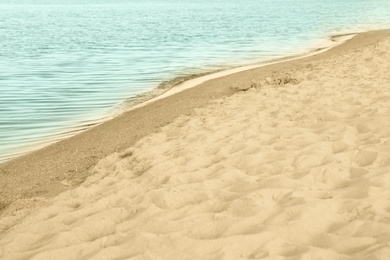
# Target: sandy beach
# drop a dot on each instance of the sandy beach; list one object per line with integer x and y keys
{"x": 286, "y": 161}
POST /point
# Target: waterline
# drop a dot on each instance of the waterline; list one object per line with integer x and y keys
{"x": 69, "y": 64}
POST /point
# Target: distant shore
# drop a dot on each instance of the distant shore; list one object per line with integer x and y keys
{"x": 66, "y": 164}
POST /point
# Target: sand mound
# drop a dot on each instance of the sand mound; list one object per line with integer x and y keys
{"x": 297, "y": 170}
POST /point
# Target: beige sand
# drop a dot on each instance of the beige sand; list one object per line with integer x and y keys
{"x": 66, "y": 164}
{"x": 295, "y": 167}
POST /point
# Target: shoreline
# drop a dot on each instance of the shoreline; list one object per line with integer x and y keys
{"x": 65, "y": 164}
{"x": 164, "y": 89}
{"x": 293, "y": 164}
{"x": 337, "y": 40}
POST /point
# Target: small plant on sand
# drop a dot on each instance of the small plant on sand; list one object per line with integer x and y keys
{"x": 2, "y": 206}
{"x": 276, "y": 80}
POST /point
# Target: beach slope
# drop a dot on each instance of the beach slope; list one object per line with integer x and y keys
{"x": 294, "y": 165}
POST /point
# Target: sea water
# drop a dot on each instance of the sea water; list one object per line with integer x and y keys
{"x": 67, "y": 64}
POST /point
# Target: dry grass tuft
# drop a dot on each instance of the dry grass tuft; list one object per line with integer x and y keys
{"x": 270, "y": 81}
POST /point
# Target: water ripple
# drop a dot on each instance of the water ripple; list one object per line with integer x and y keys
{"x": 68, "y": 63}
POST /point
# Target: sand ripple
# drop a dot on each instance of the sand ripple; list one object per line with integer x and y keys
{"x": 293, "y": 171}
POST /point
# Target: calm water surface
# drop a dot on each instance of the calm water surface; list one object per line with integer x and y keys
{"x": 69, "y": 63}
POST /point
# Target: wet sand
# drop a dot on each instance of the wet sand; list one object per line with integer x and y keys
{"x": 287, "y": 161}
{"x": 66, "y": 164}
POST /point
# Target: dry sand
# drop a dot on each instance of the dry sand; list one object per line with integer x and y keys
{"x": 294, "y": 167}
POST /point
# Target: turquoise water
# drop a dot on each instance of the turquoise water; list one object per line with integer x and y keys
{"x": 70, "y": 63}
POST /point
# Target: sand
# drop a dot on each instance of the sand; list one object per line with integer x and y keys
{"x": 288, "y": 161}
